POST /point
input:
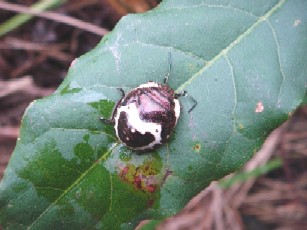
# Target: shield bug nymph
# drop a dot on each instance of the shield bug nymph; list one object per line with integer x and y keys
{"x": 145, "y": 117}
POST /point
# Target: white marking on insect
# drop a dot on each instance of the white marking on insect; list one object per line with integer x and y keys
{"x": 148, "y": 84}
{"x": 177, "y": 109}
{"x": 136, "y": 123}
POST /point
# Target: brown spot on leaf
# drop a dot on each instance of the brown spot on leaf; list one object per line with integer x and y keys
{"x": 142, "y": 177}
{"x": 297, "y": 22}
{"x": 167, "y": 174}
{"x": 150, "y": 203}
{"x": 259, "y": 107}
{"x": 197, "y": 148}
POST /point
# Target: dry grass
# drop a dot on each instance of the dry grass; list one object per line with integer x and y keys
{"x": 277, "y": 200}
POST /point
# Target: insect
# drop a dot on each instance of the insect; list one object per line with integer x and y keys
{"x": 145, "y": 117}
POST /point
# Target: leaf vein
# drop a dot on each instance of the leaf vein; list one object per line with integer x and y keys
{"x": 72, "y": 130}
{"x": 279, "y": 62}
{"x": 232, "y": 45}
{"x": 72, "y": 186}
{"x": 211, "y": 6}
{"x": 174, "y": 48}
{"x": 235, "y": 96}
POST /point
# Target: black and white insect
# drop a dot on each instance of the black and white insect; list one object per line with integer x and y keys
{"x": 145, "y": 117}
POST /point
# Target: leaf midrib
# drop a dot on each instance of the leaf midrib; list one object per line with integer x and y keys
{"x": 231, "y": 45}
{"x": 104, "y": 156}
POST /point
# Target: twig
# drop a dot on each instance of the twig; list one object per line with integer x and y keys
{"x": 17, "y": 20}
{"x": 47, "y": 50}
{"x": 238, "y": 193}
{"x": 25, "y": 84}
{"x": 55, "y": 17}
{"x": 9, "y": 132}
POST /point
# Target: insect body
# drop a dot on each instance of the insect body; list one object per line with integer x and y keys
{"x": 145, "y": 117}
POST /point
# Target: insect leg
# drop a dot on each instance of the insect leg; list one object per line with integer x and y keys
{"x": 121, "y": 91}
{"x": 184, "y": 93}
{"x": 111, "y": 120}
{"x": 107, "y": 121}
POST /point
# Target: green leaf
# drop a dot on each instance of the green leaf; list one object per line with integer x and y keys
{"x": 151, "y": 225}
{"x": 243, "y": 61}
